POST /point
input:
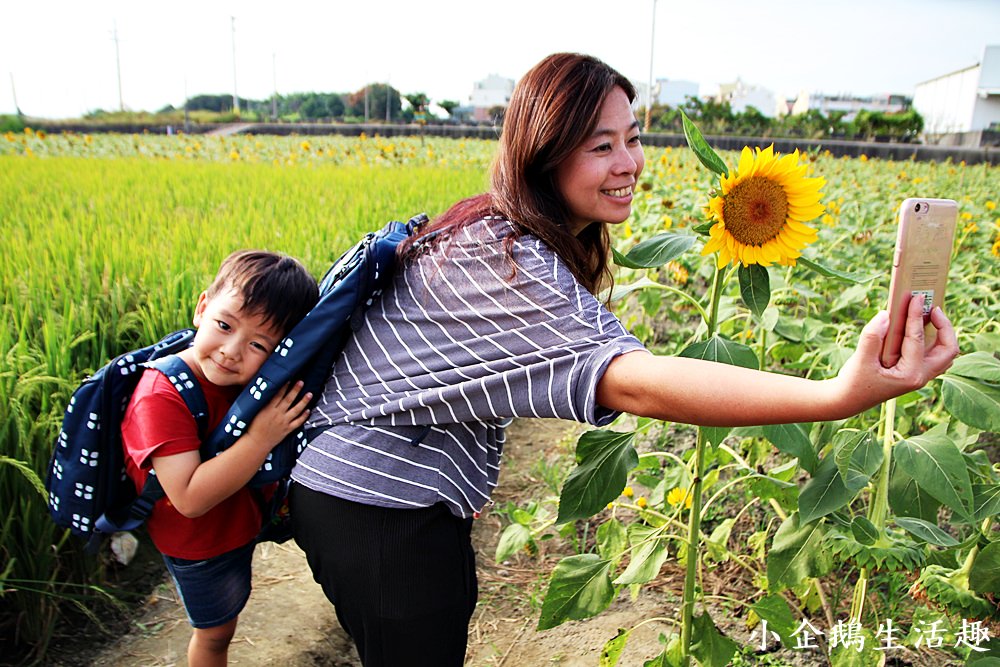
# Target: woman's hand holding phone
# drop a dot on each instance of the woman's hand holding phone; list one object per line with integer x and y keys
{"x": 865, "y": 381}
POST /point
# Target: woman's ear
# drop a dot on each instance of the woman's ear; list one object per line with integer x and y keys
{"x": 200, "y": 308}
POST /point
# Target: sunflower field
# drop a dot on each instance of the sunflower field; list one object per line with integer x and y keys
{"x": 109, "y": 238}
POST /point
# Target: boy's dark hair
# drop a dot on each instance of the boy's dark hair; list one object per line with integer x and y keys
{"x": 273, "y": 285}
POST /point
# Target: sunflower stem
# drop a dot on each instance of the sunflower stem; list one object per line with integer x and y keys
{"x": 858, "y": 599}
{"x": 694, "y": 519}
{"x": 713, "y": 308}
{"x": 879, "y": 507}
{"x": 763, "y": 348}
{"x": 693, "y": 550}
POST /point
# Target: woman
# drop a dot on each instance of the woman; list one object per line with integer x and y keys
{"x": 493, "y": 316}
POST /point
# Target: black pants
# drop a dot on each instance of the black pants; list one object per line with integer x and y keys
{"x": 402, "y": 581}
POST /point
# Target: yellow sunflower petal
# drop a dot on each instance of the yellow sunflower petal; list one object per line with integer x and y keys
{"x": 724, "y": 257}
{"x": 770, "y": 252}
{"x": 746, "y": 162}
{"x": 805, "y": 213}
{"x": 800, "y": 228}
{"x": 712, "y": 245}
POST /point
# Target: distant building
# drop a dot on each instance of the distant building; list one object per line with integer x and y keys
{"x": 958, "y": 108}
{"x": 741, "y": 96}
{"x": 849, "y": 104}
{"x": 493, "y": 91}
{"x": 674, "y": 93}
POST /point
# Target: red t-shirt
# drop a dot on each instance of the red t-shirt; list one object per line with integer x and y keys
{"x": 158, "y": 423}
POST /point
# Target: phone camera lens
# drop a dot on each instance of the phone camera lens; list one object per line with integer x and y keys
{"x": 918, "y": 207}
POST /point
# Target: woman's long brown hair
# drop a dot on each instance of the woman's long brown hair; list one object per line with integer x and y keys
{"x": 553, "y": 109}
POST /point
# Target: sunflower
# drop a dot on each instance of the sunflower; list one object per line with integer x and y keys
{"x": 761, "y": 210}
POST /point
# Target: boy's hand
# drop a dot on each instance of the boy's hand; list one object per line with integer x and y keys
{"x": 281, "y": 416}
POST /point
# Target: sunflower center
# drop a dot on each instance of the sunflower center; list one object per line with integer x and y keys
{"x": 755, "y": 210}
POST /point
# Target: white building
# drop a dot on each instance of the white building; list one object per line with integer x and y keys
{"x": 741, "y": 96}
{"x": 849, "y": 104}
{"x": 674, "y": 93}
{"x": 962, "y": 102}
{"x": 493, "y": 91}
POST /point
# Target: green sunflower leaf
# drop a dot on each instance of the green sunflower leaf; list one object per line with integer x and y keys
{"x": 796, "y": 554}
{"x": 513, "y": 539}
{"x": 755, "y": 287}
{"x": 977, "y": 365}
{"x": 723, "y": 351}
{"x": 613, "y": 648}
{"x": 655, "y": 251}
{"x": 984, "y": 577}
{"x": 858, "y": 457}
{"x": 709, "y": 646}
{"x": 860, "y": 649}
{"x": 906, "y": 498}
{"x": 775, "y": 610}
{"x": 827, "y": 272}
{"x": 612, "y": 540}
{"x": 604, "y": 460}
{"x": 648, "y": 554}
{"x": 703, "y": 228}
{"x": 696, "y": 141}
{"x": 985, "y": 500}
{"x": 621, "y": 291}
{"x": 580, "y": 587}
{"x": 972, "y": 401}
{"x": 864, "y": 531}
{"x": 937, "y": 465}
{"x": 824, "y": 493}
{"x": 926, "y": 531}
{"x": 793, "y": 439}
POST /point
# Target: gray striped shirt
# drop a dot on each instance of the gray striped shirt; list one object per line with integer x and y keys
{"x": 462, "y": 342}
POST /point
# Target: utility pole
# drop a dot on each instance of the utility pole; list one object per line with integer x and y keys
{"x": 388, "y": 97}
{"x": 187, "y": 116}
{"x": 236, "y": 98}
{"x": 274, "y": 97}
{"x": 13, "y": 91}
{"x": 366, "y": 103}
{"x": 118, "y": 64}
{"x": 649, "y": 93}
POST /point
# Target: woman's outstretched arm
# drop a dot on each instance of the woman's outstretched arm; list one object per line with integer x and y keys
{"x": 706, "y": 393}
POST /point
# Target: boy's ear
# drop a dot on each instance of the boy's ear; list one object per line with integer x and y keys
{"x": 200, "y": 308}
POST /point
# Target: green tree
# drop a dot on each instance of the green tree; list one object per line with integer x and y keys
{"x": 811, "y": 124}
{"x": 449, "y": 106}
{"x": 377, "y": 93}
{"x": 418, "y": 101}
{"x": 752, "y": 122}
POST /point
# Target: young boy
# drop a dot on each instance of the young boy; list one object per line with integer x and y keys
{"x": 206, "y": 525}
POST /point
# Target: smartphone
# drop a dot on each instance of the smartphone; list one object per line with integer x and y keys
{"x": 919, "y": 266}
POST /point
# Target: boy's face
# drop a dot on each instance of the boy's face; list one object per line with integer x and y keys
{"x": 231, "y": 345}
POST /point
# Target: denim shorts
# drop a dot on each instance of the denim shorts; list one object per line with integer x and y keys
{"x": 214, "y": 591}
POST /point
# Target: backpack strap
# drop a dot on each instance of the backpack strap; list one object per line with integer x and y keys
{"x": 184, "y": 381}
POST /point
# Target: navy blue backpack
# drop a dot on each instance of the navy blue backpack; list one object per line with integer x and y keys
{"x": 89, "y": 492}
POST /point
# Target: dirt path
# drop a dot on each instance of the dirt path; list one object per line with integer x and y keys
{"x": 289, "y": 622}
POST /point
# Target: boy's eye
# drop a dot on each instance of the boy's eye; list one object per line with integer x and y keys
{"x": 260, "y": 347}
{"x": 223, "y": 325}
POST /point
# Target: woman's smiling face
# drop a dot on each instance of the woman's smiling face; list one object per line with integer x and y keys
{"x": 598, "y": 180}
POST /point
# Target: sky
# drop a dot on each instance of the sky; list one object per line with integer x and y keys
{"x": 59, "y": 56}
